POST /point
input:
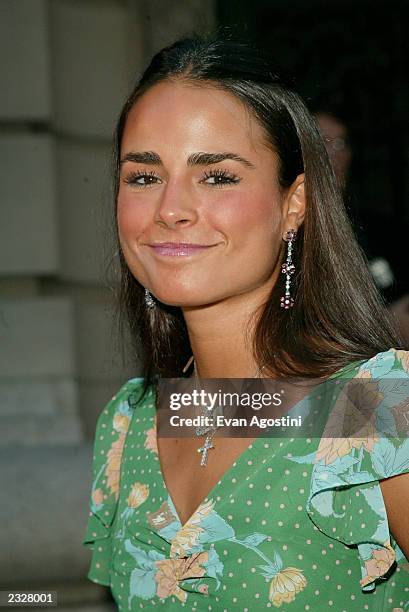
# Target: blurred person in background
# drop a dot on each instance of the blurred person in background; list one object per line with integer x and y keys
{"x": 388, "y": 259}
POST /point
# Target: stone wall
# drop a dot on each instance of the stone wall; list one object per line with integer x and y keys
{"x": 66, "y": 68}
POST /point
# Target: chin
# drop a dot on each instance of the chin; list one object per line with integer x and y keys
{"x": 182, "y": 302}
{"x": 185, "y": 298}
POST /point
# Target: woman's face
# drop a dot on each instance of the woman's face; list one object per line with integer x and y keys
{"x": 195, "y": 169}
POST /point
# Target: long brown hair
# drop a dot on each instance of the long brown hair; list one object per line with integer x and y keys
{"x": 338, "y": 316}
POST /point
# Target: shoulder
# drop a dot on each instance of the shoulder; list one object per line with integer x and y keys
{"x": 387, "y": 363}
{"x": 365, "y": 443}
{"x": 117, "y": 412}
{"x": 389, "y": 450}
{"x": 111, "y": 428}
{"x": 110, "y": 435}
{"x": 380, "y": 390}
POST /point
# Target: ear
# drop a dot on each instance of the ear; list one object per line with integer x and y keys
{"x": 294, "y": 205}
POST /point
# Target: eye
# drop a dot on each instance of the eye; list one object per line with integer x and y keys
{"x": 136, "y": 177}
{"x": 220, "y": 178}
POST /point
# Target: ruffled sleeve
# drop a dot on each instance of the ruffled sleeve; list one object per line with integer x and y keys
{"x": 345, "y": 500}
{"x": 110, "y": 435}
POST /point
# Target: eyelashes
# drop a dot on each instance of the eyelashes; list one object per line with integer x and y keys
{"x": 133, "y": 177}
{"x": 220, "y": 178}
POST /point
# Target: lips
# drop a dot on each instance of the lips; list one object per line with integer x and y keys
{"x": 179, "y": 249}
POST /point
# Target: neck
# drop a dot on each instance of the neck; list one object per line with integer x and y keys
{"x": 221, "y": 336}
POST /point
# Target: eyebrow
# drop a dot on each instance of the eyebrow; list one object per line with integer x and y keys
{"x": 195, "y": 159}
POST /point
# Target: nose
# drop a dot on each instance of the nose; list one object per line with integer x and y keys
{"x": 176, "y": 207}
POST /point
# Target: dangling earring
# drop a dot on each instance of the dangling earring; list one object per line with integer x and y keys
{"x": 288, "y": 269}
{"x": 149, "y": 300}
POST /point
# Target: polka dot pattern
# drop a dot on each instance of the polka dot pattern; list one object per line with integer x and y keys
{"x": 250, "y": 545}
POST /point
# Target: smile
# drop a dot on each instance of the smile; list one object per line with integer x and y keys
{"x": 181, "y": 249}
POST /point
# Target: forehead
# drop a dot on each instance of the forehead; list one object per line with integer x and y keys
{"x": 187, "y": 115}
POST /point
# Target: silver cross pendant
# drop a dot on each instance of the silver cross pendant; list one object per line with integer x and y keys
{"x": 205, "y": 449}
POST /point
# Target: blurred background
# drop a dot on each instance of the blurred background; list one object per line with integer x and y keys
{"x": 65, "y": 69}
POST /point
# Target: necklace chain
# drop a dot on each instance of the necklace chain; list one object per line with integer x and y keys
{"x": 209, "y": 430}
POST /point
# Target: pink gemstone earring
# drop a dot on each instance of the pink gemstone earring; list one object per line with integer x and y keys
{"x": 288, "y": 269}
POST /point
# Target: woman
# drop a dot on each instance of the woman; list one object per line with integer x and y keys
{"x": 220, "y": 177}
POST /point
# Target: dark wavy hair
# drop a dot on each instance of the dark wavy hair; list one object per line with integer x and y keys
{"x": 338, "y": 316}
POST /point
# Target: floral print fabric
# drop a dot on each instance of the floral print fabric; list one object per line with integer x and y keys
{"x": 295, "y": 523}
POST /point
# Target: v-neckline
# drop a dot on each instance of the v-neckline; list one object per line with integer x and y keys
{"x": 240, "y": 458}
{"x": 211, "y": 493}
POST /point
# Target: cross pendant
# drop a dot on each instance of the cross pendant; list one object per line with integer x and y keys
{"x": 205, "y": 449}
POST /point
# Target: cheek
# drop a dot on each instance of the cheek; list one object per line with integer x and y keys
{"x": 131, "y": 218}
{"x": 250, "y": 218}
{"x": 131, "y": 222}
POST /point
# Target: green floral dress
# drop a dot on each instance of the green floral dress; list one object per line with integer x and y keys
{"x": 295, "y": 523}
